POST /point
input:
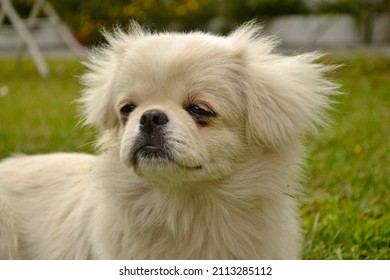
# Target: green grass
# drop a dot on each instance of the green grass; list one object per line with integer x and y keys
{"x": 39, "y": 115}
{"x": 347, "y": 212}
{"x": 346, "y": 208}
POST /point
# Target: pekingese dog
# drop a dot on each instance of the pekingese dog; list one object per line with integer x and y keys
{"x": 200, "y": 154}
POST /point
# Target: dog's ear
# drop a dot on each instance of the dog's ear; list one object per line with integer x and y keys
{"x": 287, "y": 96}
{"x": 98, "y": 97}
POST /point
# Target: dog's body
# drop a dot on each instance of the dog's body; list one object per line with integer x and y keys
{"x": 76, "y": 216}
{"x": 201, "y": 155}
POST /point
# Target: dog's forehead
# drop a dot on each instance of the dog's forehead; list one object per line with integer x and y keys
{"x": 168, "y": 66}
{"x": 175, "y": 56}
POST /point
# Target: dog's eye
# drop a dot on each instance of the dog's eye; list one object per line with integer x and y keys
{"x": 127, "y": 109}
{"x": 200, "y": 113}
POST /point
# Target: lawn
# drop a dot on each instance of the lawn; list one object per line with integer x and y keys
{"x": 39, "y": 115}
{"x": 346, "y": 205}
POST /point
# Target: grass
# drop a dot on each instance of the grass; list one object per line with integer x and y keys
{"x": 346, "y": 208}
{"x": 347, "y": 212}
{"x": 39, "y": 115}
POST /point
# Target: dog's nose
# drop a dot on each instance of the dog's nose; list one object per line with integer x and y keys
{"x": 152, "y": 120}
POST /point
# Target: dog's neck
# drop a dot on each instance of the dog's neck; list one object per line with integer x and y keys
{"x": 189, "y": 214}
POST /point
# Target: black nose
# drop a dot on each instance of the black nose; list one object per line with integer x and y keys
{"x": 153, "y": 119}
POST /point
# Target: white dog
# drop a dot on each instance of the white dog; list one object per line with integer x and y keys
{"x": 201, "y": 154}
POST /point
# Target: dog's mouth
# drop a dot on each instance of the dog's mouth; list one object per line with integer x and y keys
{"x": 149, "y": 152}
{"x": 156, "y": 155}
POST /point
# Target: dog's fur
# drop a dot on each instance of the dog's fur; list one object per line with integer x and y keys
{"x": 215, "y": 174}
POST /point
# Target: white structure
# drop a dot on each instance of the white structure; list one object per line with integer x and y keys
{"x": 332, "y": 30}
{"x": 27, "y": 40}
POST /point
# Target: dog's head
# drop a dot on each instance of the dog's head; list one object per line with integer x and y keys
{"x": 192, "y": 107}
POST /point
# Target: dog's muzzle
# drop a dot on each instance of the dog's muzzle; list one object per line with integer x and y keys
{"x": 151, "y": 141}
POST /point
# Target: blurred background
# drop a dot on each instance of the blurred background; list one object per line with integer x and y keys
{"x": 297, "y": 22}
{"x": 346, "y": 204}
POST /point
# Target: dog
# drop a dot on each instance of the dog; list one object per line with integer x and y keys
{"x": 200, "y": 154}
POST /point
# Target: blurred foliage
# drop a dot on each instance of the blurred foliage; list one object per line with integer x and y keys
{"x": 93, "y": 15}
{"x": 87, "y": 18}
{"x": 249, "y": 9}
{"x": 354, "y": 7}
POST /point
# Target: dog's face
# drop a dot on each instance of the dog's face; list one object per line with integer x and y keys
{"x": 180, "y": 112}
{"x": 183, "y": 108}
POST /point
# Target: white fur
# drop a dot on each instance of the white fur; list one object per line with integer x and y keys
{"x": 241, "y": 203}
